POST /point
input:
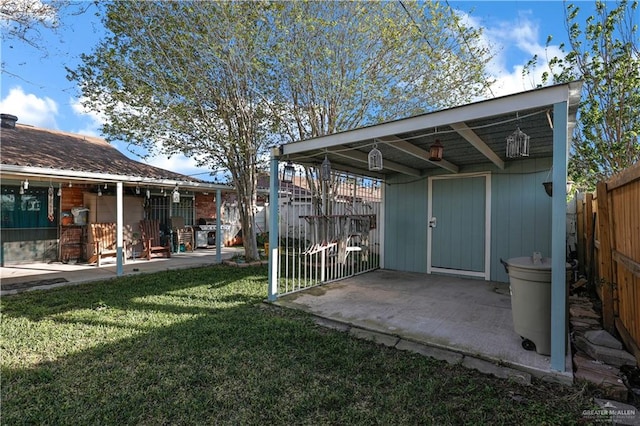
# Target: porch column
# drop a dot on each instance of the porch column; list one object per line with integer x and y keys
{"x": 272, "y": 290}
{"x": 218, "y": 230}
{"x": 558, "y": 237}
{"x": 119, "y": 234}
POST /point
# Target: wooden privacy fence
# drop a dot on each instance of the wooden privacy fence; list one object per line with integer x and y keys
{"x": 609, "y": 251}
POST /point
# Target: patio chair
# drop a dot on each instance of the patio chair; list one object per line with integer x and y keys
{"x": 151, "y": 240}
{"x": 104, "y": 241}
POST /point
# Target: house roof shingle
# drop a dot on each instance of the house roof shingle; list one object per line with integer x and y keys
{"x": 30, "y": 146}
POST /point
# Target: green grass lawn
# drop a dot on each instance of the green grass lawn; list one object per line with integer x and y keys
{"x": 199, "y": 347}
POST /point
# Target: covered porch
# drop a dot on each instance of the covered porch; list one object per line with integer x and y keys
{"x": 459, "y": 190}
{"x": 459, "y": 320}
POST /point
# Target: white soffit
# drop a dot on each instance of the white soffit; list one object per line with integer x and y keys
{"x": 538, "y": 98}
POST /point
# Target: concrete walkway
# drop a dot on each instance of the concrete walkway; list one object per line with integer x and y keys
{"x": 42, "y": 276}
{"x": 455, "y": 319}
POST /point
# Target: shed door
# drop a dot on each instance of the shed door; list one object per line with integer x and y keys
{"x": 459, "y": 225}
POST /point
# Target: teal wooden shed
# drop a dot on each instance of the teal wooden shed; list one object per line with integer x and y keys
{"x": 456, "y": 191}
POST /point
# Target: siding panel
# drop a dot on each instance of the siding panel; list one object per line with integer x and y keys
{"x": 406, "y": 225}
{"x": 520, "y": 223}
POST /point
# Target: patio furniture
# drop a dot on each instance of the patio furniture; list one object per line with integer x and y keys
{"x": 185, "y": 235}
{"x": 151, "y": 240}
{"x": 185, "y": 238}
{"x": 104, "y": 241}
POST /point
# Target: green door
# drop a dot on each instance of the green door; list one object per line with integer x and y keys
{"x": 457, "y": 225}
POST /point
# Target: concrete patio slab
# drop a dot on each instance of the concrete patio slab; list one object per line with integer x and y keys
{"x": 456, "y": 319}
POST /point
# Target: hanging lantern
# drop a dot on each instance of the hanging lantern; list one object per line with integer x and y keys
{"x": 148, "y": 193}
{"x": 435, "y": 152}
{"x": 175, "y": 195}
{"x": 375, "y": 159}
{"x": 288, "y": 172}
{"x": 25, "y": 184}
{"x": 517, "y": 144}
{"x": 59, "y": 190}
{"x": 99, "y": 191}
{"x": 325, "y": 170}
{"x": 137, "y": 190}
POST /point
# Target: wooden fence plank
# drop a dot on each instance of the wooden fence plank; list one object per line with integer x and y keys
{"x": 624, "y": 178}
{"x": 606, "y": 270}
{"x": 630, "y": 264}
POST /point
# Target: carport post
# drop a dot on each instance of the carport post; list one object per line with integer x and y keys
{"x": 272, "y": 290}
{"x": 558, "y": 237}
{"x": 119, "y": 234}
{"x": 218, "y": 230}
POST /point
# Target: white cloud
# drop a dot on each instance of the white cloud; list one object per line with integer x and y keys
{"x": 95, "y": 119}
{"x": 30, "y": 109}
{"x": 514, "y": 42}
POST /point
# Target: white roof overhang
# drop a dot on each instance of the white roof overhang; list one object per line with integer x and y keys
{"x": 471, "y": 134}
{"x": 55, "y": 175}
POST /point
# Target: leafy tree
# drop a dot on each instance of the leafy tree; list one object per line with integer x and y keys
{"x": 604, "y": 54}
{"x": 183, "y": 77}
{"x": 221, "y": 81}
{"x": 348, "y": 64}
{"x": 23, "y": 21}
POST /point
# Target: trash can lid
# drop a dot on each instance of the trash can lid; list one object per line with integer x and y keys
{"x": 527, "y": 262}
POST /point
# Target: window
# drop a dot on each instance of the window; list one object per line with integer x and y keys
{"x": 162, "y": 208}
{"x": 28, "y": 210}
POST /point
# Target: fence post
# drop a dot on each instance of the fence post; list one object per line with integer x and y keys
{"x": 580, "y": 243}
{"x": 588, "y": 232}
{"x": 606, "y": 266}
{"x": 274, "y": 218}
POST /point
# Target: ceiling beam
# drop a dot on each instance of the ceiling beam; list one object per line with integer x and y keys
{"x": 364, "y": 158}
{"x": 463, "y": 130}
{"x": 411, "y": 149}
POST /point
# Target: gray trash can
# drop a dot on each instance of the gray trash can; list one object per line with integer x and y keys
{"x": 530, "y": 284}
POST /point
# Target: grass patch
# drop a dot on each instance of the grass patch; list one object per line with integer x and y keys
{"x": 197, "y": 347}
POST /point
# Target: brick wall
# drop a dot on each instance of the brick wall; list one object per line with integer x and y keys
{"x": 205, "y": 206}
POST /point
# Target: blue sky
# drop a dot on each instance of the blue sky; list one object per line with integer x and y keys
{"x": 34, "y": 85}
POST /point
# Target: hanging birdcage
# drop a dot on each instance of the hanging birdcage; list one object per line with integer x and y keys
{"x": 325, "y": 170}
{"x": 375, "y": 159}
{"x": 517, "y": 144}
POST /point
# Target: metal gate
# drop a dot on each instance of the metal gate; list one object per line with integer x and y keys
{"x": 330, "y": 233}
